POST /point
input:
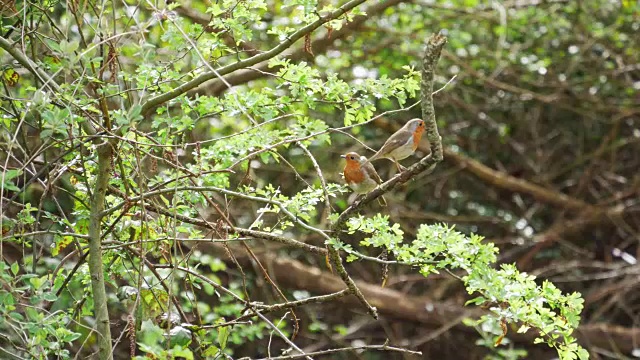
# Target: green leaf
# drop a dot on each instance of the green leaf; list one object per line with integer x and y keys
{"x": 180, "y": 352}
{"x": 15, "y": 268}
{"x": 215, "y": 10}
{"x": 8, "y": 176}
{"x": 68, "y": 48}
{"x": 37, "y": 282}
{"x": 49, "y": 296}
{"x": 476, "y": 301}
{"x": 223, "y": 336}
{"x": 16, "y": 316}
{"x": 180, "y": 335}
{"x": 151, "y": 333}
{"x": 71, "y": 337}
{"x": 211, "y": 351}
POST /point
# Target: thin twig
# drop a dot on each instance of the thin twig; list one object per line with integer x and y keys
{"x": 383, "y": 347}
{"x": 282, "y": 336}
{"x": 323, "y": 183}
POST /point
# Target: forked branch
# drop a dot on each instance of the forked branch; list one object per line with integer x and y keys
{"x": 430, "y": 59}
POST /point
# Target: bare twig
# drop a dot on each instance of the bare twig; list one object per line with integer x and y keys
{"x": 323, "y": 183}
{"x": 383, "y": 347}
{"x": 282, "y": 336}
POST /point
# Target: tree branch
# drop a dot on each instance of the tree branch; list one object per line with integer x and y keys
{"x": 429, "y": 61}
{"x": 105, "y": 151}
{"x": 500, "y": 179}
{"x": 179, "y": 90}
{"x": 240, "y": 231}
{"x": 505, "y": 181}
{"x": 41, "y": 75}
{"x": 383, "y": 347}
{"x": 12, "y": 49}
{"x": 432, "y": 54}
{"x": 319, "y": 45}
{"x": 425, "y": 310}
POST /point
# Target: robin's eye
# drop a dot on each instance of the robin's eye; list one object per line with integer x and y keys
{"x": 353, "y": 157}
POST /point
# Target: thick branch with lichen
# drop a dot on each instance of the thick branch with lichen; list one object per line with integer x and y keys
{"x": 429, "y": 61}
{"x": 105, "y": 151}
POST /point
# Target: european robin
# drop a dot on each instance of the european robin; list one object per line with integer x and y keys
{"x": 402, "y": 143}
{"x": 360, "y": 175}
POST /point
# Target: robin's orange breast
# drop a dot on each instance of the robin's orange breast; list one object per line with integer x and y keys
{"x": 353, "y": 174}
{"x": 417, "y": 135}
{"x": 358, "y": 180}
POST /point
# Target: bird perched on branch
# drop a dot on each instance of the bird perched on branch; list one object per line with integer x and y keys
{"x": 402, "y": 143}
{"x": 360, "y": 175}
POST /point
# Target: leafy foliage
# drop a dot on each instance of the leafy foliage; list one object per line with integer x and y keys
{"x": 510, "y": 295}
{"x": 223, "y": 130}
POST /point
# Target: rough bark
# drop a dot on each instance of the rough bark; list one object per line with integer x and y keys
{"x": 95, "y": 252}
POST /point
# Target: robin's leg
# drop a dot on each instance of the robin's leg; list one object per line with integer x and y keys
{"x": 382, "y": 201}
{"x": 357, "y": 198}
{"x": 400, "y": 167}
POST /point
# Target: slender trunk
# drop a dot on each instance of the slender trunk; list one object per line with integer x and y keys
{"x": 95, "y": 252}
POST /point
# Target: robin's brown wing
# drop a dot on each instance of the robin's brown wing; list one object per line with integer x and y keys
{"x": 371, "y": 171}
{"x": 396, "y": 140}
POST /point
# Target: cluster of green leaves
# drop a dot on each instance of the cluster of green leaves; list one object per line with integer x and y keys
{"x": 308, "y": 86}
{"x": 511, "y": 296}
{"x": 237, "y": 17}
{"x": 22, "y": 297}
{"x": 302, "y": 205}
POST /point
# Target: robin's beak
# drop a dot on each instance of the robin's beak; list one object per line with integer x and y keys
{"x": 343, "y": 156}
